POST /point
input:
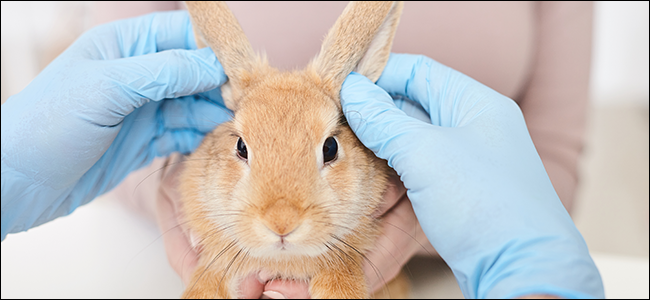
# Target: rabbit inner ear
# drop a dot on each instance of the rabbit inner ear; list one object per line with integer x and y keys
{"x": 373, "y": 63}
{"x": 360, "y": 40}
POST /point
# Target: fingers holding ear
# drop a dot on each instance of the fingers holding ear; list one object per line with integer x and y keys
{"x": 167, "y": 74}
{"x": 184, "y": 122}
{"x": 375, "y": 119}
{"x": 196, "y": 112}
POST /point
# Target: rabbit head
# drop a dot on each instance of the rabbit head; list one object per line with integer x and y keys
{"x": 286, "y": 186}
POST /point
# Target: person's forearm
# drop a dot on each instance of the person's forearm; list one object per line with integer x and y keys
{"x": 556, "y": 98}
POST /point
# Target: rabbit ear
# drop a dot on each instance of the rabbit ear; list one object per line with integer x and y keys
{"x": 215, "y": 26}
{"x": 360, "y": 41}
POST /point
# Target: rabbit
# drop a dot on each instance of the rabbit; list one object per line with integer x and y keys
{"x": 285, "y": 187}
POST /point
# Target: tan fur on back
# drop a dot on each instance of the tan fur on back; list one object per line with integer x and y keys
{"x": 238, "y": 208}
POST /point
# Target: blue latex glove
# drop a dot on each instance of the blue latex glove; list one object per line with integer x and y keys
{"x": 476, "y": 182}
{"x": 88, "y": 120}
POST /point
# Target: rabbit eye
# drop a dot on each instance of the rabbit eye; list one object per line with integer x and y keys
{"x": 330, "y": 148}
{"x": 241, "y": 149}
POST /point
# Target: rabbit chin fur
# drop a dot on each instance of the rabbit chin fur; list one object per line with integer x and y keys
{"x": 283, "y": 210}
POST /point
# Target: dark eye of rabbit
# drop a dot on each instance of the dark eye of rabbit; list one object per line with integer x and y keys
{"x": 241, "y": 149}
{"x": 330, "y": 147}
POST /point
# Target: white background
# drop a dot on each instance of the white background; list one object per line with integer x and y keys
{"x": 620, "y": 52}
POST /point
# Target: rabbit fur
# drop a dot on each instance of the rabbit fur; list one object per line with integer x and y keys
{"x": 283, "y": 209}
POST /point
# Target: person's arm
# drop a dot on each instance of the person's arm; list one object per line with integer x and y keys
{"x": 476, "y": 182}
{"x": 556, "y": 98}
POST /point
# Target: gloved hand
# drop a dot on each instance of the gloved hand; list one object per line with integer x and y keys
{"x": 476, "y": 182}
{"x": 114, "y": 100}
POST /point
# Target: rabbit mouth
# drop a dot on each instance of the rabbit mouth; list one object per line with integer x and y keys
{"x": 286, "y": 251}
{"x": 283, "y": 245}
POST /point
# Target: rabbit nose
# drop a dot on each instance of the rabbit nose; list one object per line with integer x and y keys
{"x": 282, "y": 229}
{"x": 282, "y": 218}
{"x": 283, "y": 236}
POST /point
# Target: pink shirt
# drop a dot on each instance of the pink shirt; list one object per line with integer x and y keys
{"x": 537, "y": 53}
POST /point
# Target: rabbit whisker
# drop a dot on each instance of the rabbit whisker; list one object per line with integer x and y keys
{"x": 327, "y": 244}
{"x": 242, "y": 260}
{"x": 385, "y": 222}
{"x": 226, "y": 271}
{"x": 167, "y": 164}
{"x": 201, "y": 241}
{"x": 157, "y": 238}
{"x": 212, "y": 262}
{"x": 391, "y": 241}
{"x": 402, "y": 230}
{"x": 374, "y": 267}
{"x": 360, "y": 233}
{"x": 344, "y": 253}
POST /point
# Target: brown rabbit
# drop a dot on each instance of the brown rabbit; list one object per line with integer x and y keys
{"x": 286, "y": 187}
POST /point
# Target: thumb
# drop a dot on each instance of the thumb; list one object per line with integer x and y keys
{"x": 374, "y": 118}
{"x": 167, "y": 74}
{"x": 287, "y": 289}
